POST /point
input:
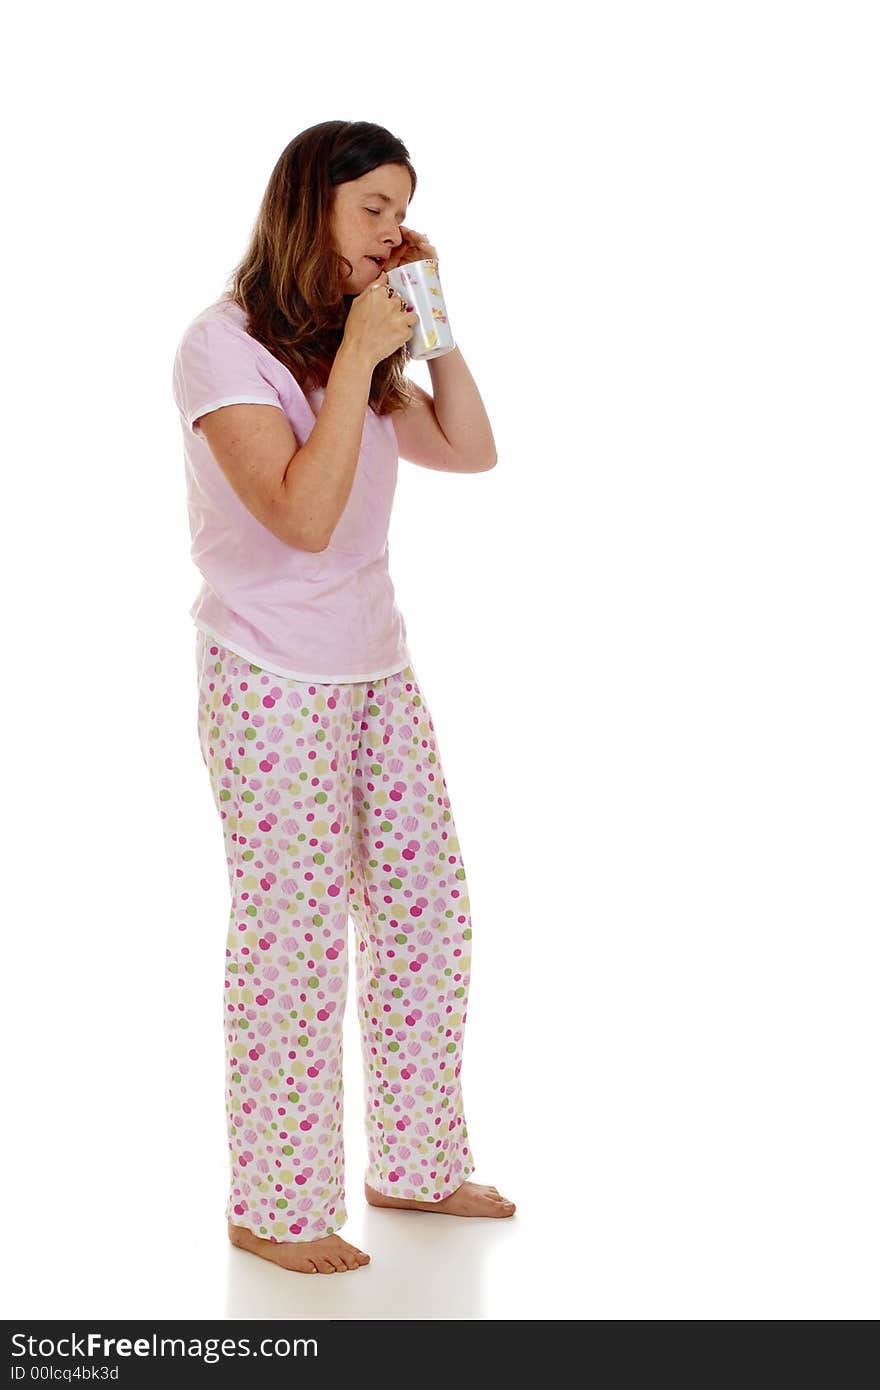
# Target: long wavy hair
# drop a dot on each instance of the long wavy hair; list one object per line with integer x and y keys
{"x": 290, "y": 281}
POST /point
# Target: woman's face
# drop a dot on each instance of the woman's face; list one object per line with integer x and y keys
{"x": 367, "y": 213}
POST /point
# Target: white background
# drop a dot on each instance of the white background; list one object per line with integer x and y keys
{"x": 648, "y": 641}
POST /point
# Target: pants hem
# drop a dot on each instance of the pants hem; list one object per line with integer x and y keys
{"x": 393, "y": 1189}
{"x": 337, "y": 1224}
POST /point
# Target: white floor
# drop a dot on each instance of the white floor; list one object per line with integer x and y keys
{"x": 676, "y": 1090}
{"x": 642, "y": 1253}
{"x": 652, "y": 1199}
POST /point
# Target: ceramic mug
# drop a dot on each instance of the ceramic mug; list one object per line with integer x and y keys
{"x": 418, "y": 284}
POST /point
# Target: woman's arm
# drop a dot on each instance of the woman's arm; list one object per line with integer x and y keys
{"x": 420, "y": 438}
{"x": 459, "y": 410}
{"x": 319, "y": 477}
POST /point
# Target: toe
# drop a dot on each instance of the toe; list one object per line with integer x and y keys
{"x": 503, "y": 1206}
{"x": 325, "y": 1266}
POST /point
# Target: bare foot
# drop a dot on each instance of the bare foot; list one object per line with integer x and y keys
{"x": 327, "y": 1255}
{"x": 471, "y": 1199}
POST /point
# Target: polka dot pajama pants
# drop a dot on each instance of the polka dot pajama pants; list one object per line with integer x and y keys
{"x": 333, "y": 803}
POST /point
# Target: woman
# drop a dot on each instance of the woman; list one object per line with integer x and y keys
{"x": 320, "y": 747}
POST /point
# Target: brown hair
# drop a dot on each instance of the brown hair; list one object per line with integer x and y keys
{"x": 290, "y": 280}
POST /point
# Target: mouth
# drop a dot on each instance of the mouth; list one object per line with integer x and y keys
{"x": 376, "y": 261}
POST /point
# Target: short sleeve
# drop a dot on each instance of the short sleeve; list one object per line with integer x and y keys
{"x": 217, "y": 365}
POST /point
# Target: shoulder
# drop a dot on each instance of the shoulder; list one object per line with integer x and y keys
{"x": 219, "y": 320}
{"x": 218, "y": 337}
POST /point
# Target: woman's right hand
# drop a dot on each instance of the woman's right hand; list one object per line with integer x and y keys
{"x": 378, "y": 323}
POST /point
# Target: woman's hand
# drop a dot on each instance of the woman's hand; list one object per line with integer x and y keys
{"x": 378, "y": 324}
{"x": 414, "y": 247}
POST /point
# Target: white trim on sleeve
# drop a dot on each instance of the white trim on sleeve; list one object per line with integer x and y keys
{"x": 227, "y": 400}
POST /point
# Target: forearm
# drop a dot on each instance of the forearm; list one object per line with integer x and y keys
{"x": 321, "y": 473}
{"x": 459, "y": 410}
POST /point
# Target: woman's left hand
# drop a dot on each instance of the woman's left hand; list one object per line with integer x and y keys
{"x": 414, "y": 247}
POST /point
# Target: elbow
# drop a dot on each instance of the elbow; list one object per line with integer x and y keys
{"x": 307, "y": 540}
{"x": 316, "y": 540}
{"x": 315, "y": 544}
{"x": 477, "y": 464}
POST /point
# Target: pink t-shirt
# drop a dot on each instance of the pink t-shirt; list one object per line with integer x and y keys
{"x": 325, "y": 616}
